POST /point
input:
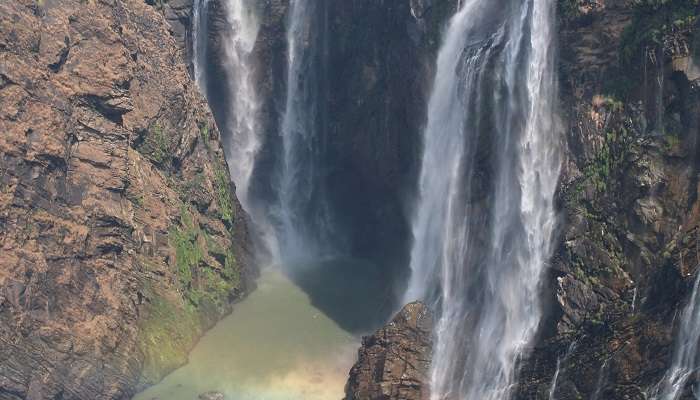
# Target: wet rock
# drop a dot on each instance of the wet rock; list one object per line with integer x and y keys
{"x": 393, "y": 363}
{"x": 212, "y": 396}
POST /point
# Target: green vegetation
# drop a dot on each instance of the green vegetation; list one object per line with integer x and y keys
{"x": 190, "y": 187}
{"x": 137, "y": 198}
{"x": 203, "y": 284}
{"x": 188, "y": 254}
{"x": 653, "y": 23}
{"x": 568, "y": 9}
{"x": 158, "y": 4}
{"x": 223, "y": 193}
{"x": 204, "y": 131}
{"x": 165, "y": 336}
{"x": 609, "y": 158}
{"x": 157, "y": 146}
{"x": 174, "y": 322}
{"x": 673, "y": 142}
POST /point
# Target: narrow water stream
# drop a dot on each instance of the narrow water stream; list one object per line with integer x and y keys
{"x": 281, "y": 343}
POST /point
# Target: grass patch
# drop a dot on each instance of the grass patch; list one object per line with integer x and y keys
{"x": 157, "y": 146}
{"x": 165, "y": 337}
{"x": 188, "y": 252}
{"x": 201, "y": 282}
{"x": 222, "y": 186}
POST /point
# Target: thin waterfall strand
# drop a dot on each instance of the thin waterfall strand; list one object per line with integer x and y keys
{"x": 301, "y": 212}
{"x": 685, "y": 359}
{"x": 199, "y": 43}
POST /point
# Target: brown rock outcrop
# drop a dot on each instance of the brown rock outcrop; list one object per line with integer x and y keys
{"x": 393, "y": 363}
{"x": 120, "y": 237}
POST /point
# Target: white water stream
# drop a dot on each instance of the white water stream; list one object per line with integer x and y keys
{"x": 481, "y": 246}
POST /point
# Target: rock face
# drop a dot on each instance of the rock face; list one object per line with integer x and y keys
{"x": 212, "y": 396}
{"x": 627, "y": 255}
{"x": 121, "y": 240}
{"x": 379, "y": 71}
{"x": 393, "y": 363}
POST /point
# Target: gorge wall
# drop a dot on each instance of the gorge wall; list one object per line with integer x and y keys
{"x": 120, "y": 233}
{"x": 627, "y": 197}
{"x": 121, "y": 238}
{"x": 626, "y": 260}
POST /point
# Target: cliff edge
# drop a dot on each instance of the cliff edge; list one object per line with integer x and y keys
{"x": 121, "y": 239}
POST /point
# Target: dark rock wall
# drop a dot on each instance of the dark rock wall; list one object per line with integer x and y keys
{"x": 380, "y": 65}
{"x": 121, "y": 238}
{"x": 376, "y": 67}
{"x": 627, "y": 257}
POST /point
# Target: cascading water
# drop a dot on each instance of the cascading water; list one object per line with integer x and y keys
{"x": 199, "y": 43}
{"x": 291, "y": 221}
{"x": 245, "y": 141}
{"x": 685, "y": 357}
{"x": 560, "y": 360}
{"x": 301, "y": 215}
{"x": 482, "y": 243}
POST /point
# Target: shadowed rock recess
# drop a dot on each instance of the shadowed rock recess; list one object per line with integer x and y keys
{"x": 120, "y": 238}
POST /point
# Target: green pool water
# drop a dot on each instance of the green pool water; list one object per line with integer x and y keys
{"x": 277, "y": 344}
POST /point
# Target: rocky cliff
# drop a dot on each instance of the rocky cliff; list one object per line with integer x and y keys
{"x": 628, "y": 198}
{"x": 121, "y": 238}
{"x": 393, "y": 363}
{"x": 628, "y": 195}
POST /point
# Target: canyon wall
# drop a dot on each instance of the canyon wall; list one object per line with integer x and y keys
{"x": 121, "y": 238}
{"x": 626, "y": 256}
{"x": 120, "y": 233}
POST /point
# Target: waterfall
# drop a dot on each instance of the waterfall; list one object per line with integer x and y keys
{"x": 301, "y": 213}
{"x": 553, "y": 387}
{"x": 557, "y": 371}
{"x": 484, "y": 216}
{"x": 290, "y": 219}
{"x": 242, "y": 120}
{"x": 245, "y": 138}
{"x": 199, "y": 43}
{"x": 685, "y": 361}
{"x": 602, "y": 380}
